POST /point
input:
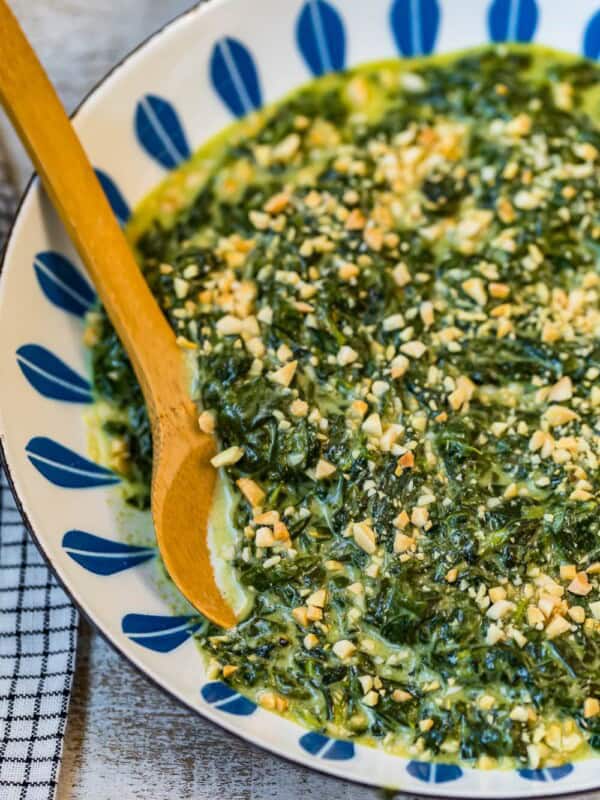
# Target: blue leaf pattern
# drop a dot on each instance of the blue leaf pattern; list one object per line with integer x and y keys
{"x": 63, "y": 284}
{"x": 223, "y": 697}
{"x": 433, "y": 773}
{"x": 113, "y": 194}
{"x": 51, "y": 377}
{"x": 159, "y": 633}
{"x": 65, "y": 468}
{"x": 104, "y": 556}
{"x": 591, "y": 38}
{"x": 323, "y": 747}
{"x": 234, "y": 77}
{"x": 321, "y": 37}
{"x": 513, "y": 20}
{"x": 547, "y": 774}
{"x": 160, "y": 132}
{"x": 415, "y": 25}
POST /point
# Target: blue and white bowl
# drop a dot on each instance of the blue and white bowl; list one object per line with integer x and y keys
{"x": 185, "y": 84}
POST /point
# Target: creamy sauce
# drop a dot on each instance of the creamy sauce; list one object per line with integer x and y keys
{"x": 223, "y": 540}
{"x": 417, "y": 631}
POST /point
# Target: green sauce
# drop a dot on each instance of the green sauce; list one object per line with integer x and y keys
{"x": 388, "y": 287}
{"x": 223, "y": 539}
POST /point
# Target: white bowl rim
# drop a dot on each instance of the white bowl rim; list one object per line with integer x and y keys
{"x": 200, "y": 9}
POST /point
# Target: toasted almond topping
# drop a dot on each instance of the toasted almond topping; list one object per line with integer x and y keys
{"x": 500, "y": 609}
{"x": 395, "y": 322}
{"x": 494, "y": 634}
{"x": 595, "y": 609}
{"x": 346, "y": 355}
{"x": 373, "y": 236}
{"x": 402, "y": 520}
{"x": 561, "y": 391}
{"x": 406, "y": 461}
{"x": 206, "y": 422}
{"x": 499, "y": 291}
{"x": 344, "y": 649}
{"x": 475, "y": 288}
{"x": 358, "y": 409}
{"x": 427, "y": 314}
{"x": 251, "y": 491}
{"x": 568, "y": 572}
{"x": 462, "y": 394}
{"x": 577, "y": 614}
{"x": 227, "y": 457}
{"x": 372, "y": 425}
{"x": 356, "y": 220}
{"x": 591, "y": 707}
{"x": 347, "y": 271}
{"x": 581, "y": 495}
{"x": 299, "y": 408}
{"x": 399, "y": 366}
{"x": 557, "y": 627}
{"x": 264, "y": 537}
{"x": 419, "y": 517}
{"x": 519, "y": 125}
{"x": 402, "y": 276}
{"x": 318, "y": 598}
{"x": 535, "y": 616}
{"x": 285, "y": 375}
{"x": 403, "y": 543}
{"x": 365, "y": 537}
{"x": 486, "y": 702}
{"x": 229, "y": 326}
{"x": 413, "y": 349}
{"x": 300, "y": 614}
{"x": 519, "y": 714}
{"x": 452, "y": 575}
{"x": 279, "y": 202}
{"x": 371, "y": 698}
{"x": 580, "y": 585}
{"x": 497, "y": 593}
{"x": 324, "y": 469}
{"x": 559, "y": 415}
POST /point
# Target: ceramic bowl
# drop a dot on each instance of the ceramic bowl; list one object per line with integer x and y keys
{"x": 186, "y": 83}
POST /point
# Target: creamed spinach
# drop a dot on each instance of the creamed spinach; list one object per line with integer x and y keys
{"x": 389, "y": 285}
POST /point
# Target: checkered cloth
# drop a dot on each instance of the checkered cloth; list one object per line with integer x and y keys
{"x": 38, "y": 634}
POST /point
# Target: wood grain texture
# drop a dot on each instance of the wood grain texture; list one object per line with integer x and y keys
{"x": 126, "y": 740}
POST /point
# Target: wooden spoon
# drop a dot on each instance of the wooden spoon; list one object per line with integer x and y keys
{"x": 183, "y": 479}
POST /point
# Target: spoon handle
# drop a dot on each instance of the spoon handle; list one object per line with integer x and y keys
{"x": 44, "y": 128}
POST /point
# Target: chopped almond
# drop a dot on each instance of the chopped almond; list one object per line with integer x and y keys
{"x": 324, "y": 469}
{"x": 251, "y": 491}
{"x": 580, "y": 585}
{"x": 285, "y": 375}
{"x": 591, "y": 707}
{"x": 365, "y": 537}
{"x": 206, "y": 422}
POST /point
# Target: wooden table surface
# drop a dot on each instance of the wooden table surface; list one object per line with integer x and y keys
{"x": 126, "y": 740}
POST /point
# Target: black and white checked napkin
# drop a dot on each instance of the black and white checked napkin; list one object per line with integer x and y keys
{"x": 38, "y": 634}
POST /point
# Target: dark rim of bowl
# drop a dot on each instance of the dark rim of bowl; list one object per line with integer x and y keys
{"x": 199, "y": 7}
